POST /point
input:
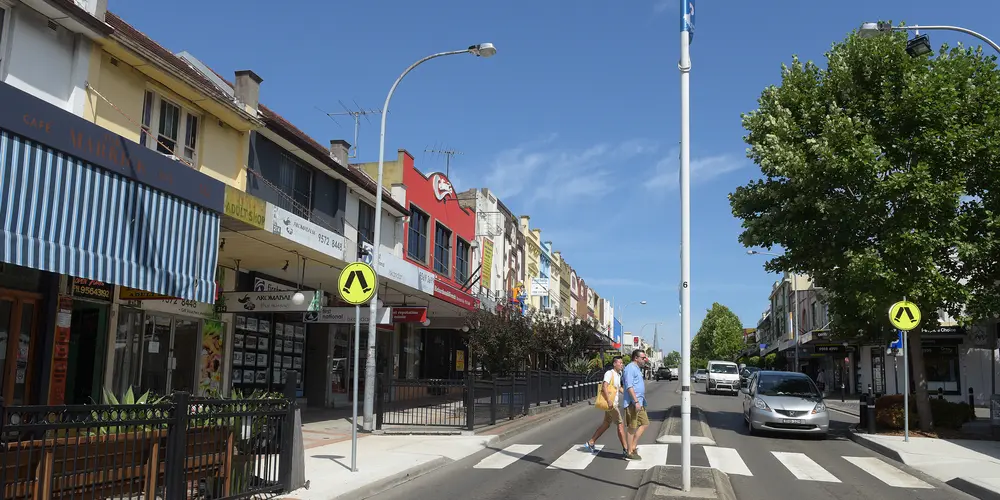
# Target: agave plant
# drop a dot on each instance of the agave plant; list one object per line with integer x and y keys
{"x": 129, "y": 408}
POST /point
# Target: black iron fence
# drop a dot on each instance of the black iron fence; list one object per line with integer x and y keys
{"x": 180, "y": 448}
{"x": 476, "y": 401}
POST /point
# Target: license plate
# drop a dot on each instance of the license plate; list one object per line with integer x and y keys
{"x": 791, "y": 421}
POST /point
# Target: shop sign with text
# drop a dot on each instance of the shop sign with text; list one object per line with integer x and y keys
{"x": 396, "y": 269}
{"x": 277, "y": 301}
{"x": 486, "y": 274}
{"x": 245, "y": 208}
{"x": 263, "y": 285}
{"x": 95, "y": 290}
{"x": 452, "y": 294}
{"x": 175, "y": 306}
{"x": 292, "y": 227}
{"x": 402, "y": 314}
{"x": 347, "y": 315}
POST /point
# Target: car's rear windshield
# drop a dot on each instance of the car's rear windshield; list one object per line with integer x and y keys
{"x": 727, "y": 369}
{"x": 787, "y": 385}
{"x": 700, "y": 370}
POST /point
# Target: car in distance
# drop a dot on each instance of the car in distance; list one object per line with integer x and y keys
{"x": 723, "y": 376}
{"x": 787, "y": 402}
{"x": 664, "y": 373}
{"x": 701, "y": 375}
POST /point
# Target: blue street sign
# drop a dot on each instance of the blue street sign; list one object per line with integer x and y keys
{"x": 687, "y": 18}
{"x": 898, "y": 343}
{"x": 763, "y": 346}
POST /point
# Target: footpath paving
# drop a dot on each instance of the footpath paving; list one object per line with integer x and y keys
{"x": 385, "y": 460}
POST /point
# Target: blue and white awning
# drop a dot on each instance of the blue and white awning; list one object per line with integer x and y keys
{"x": 66, "y": 216}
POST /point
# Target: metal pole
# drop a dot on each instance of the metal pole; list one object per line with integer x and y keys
{"x": 685, "y": 189}
{"x": 795, "y": 318}
{"x": 377, "y": 244}
{"x": 906, "y": 386}
{"x": 354, "y": 419}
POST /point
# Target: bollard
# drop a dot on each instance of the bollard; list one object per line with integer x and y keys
{"x": 841, "y": 392}
{"x": 871, "y": 417}
{"x": 565, "y": 393}
{"x": 972, "y": 403}
{"x": 863, "y": 414}
{"x": 940, "y": 392}
{"x": 576, "y": 392}
{"x": 869, "y": 389}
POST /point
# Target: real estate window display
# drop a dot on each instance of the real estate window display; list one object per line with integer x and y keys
{"x": 267, "y": 349}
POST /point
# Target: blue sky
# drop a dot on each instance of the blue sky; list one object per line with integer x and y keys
{"x": 574, "y": 121}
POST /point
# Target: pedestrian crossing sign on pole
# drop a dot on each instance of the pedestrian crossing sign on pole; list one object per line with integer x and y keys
{"x": 357, "y": 283}
{"x": 904, "y": 315}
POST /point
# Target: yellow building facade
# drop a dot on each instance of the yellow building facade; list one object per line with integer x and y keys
{"x": 137, "y": 90}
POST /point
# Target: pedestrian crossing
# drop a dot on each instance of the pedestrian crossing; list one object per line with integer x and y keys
{"x": 799, "y": 465}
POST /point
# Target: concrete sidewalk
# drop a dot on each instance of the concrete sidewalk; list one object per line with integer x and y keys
{"x": 968, "y": 465}
{"x": 383, "y": 462}
{"x": 386, "y": 460}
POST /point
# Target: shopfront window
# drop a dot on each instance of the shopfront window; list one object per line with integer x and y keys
{"x": 942, "y": 366}
{"x": 267, "y": 349}
{"x": 409, "y": 353}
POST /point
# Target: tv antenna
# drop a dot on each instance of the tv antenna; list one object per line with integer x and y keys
{"x": 448, "y": 153}
{"x": 356, "y": 113}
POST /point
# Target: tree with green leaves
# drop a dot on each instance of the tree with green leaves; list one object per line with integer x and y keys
{"x": 865, "y": 164}
{"x": 500, "y": 340}
{"x": 672, "y": 359}
{"x": 720, "y": 336}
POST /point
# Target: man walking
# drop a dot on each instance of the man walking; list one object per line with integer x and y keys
{"x": 636, "y": 419}
{"x": 609, "y": 391}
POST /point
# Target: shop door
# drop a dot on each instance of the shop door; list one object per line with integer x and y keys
{"x": 184, "y": 355}
{"x": 18, "y": 321}
{"x": 155, "y": 365}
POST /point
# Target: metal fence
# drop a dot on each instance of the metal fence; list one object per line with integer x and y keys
{"x": 180, "y": 448}
{"x": 476, "y": 401}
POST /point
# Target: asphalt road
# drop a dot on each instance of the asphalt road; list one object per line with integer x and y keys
{"x": 835, "y": 468}
{"x": 522, "y": 467}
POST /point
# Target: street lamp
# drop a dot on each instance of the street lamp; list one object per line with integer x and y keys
{"x": 480, "y": 50}
{"x": 920, "y": 45}
{"x": 621, "y": 316}
{"x": 792, "y": 317}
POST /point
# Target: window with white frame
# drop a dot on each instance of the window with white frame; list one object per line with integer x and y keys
{"x": 169, "y": 128}
{"x": 4, "y": 20}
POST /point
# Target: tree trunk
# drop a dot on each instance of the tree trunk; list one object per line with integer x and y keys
{"x": 920, "y": 379}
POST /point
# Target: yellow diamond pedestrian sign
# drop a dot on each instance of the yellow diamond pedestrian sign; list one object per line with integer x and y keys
{"x": 904, "y": 315}
{"x": 357, "y": 283}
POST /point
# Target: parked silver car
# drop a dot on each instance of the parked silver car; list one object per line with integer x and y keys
{"x": 784, "y": 402}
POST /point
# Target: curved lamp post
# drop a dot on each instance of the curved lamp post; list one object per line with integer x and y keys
{"x": 480, "y": 50}
{"x": 920, "y": 44}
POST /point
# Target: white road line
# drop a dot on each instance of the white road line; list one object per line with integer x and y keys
{"x": 652, "y": 454}
{"x": 576, "y": 458}
{"x": 887, "y": 473}
{"x": 803, "y": 467}
{"x": 506, "y": 456}
{"x": 727, "y": 460}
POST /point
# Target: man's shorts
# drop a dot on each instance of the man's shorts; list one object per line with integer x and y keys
{"x": 613, "y": 416}
{"x": 636, "y": 418}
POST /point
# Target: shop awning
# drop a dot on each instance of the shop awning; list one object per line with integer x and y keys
{"x": 64, "y": 215}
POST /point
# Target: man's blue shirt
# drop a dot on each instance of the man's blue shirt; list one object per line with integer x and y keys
{"x": 632, "y": 379}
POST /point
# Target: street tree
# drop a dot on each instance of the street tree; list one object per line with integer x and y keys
{"x": 865, "y": 164}
{"x": 500, "y": 340}
{"x": 720, "y": 336}
{"x": 672, "y": 359}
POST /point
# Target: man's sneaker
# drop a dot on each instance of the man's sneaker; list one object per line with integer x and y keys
{"x": 590, "y": 447}
{"x": 634, "y": 456}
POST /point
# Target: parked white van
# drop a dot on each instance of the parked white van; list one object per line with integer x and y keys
{"x": 723, "y": 376}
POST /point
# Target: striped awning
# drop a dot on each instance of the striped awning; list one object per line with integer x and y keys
{"x": 66, "y": 216}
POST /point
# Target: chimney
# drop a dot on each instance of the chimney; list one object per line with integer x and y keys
{"x": 248, "y": 88}
{"x": 340, "y": 151}
{"x": 524, "y": 221}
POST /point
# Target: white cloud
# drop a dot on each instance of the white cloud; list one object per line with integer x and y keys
{"x": 536, "y": 171}
{"x": 661, "y": 6}
{"x": 666, "y": 172}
